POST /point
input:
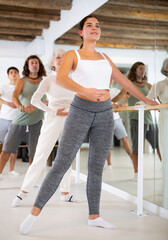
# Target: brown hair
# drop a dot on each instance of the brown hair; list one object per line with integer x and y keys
{"x": 132, "y": 72}
{"x": 14, "y": 68}
{"x": 26, "y": 71}
{"x": 81, "y": 24}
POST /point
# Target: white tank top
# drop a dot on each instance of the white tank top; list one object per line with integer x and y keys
{"x": 92, "y": 73}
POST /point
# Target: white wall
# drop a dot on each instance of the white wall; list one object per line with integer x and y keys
{"x": 11, "y": 54}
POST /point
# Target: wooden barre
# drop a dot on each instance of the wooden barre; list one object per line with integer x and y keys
{"x": 147, "y": 107}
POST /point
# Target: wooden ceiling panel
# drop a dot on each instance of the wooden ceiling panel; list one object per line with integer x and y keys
{"x": 128, "y": 24}
{"x": 42, "y": 4}
{"x": 124, "y": 23}
{"x": 22, "y": 20}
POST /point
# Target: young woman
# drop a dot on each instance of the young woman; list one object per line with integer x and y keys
{"x": 59, "y": 100}
{"x": 90, "y": 111}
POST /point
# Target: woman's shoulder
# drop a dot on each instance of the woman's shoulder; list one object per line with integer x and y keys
{"x": 163, "y": 82}
{"x": 105, "y": 55}
{"x": 21, "y": 80}
{"x": 70, "y": 53}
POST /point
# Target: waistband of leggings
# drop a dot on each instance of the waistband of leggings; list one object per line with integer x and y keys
{"x": 91, "y": 106}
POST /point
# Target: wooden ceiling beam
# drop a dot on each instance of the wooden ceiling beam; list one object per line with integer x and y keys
{"x": 121, "y": 36}
{"x": 16, "y": 38}
{"x": 149, "y": 4}
{"x": 30, "y": 16}
{"x": 49, "y": 4}
{"x": 127, "y": 26}
{"x": 125, "y": 12}
{"x": 135, "y": 41}
{"x": 123, "y": 31}
{"x": 129, "y": 45}
{"x": 18, "y": 31}
{"x": 104, "y": 45}
{"x": 4, "y": 22}
{"x": 29, "y": 10}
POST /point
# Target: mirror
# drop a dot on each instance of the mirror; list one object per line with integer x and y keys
{"x": 161, "y": 92}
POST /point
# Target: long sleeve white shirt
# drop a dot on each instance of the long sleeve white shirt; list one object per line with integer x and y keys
{"x": 57, "y": 96}
{"x": 159, "y": 90}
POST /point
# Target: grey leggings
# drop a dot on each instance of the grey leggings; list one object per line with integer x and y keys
{"x": 84, "y": 116}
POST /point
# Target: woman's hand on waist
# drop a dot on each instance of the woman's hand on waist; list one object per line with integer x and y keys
{"x": 29, "y": 108}
{"x": 60, "y": 112}
{"x": 97, "y": 95}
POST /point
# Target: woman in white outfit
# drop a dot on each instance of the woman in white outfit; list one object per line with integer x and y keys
{"x": 59, "y": 100}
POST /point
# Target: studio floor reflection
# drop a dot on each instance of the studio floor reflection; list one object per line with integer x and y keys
{"x": 121, "y": 175}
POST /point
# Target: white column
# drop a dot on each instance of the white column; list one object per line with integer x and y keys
{"x": 140, "y": 109}
{"x": 165, "y": 159}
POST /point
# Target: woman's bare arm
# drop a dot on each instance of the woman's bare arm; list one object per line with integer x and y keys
{"x": 18, "y": 89}
{"x": 119, "y": 96}
{"x": 128, "y": 85}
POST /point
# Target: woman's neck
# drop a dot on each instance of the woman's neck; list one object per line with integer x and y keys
{"x": 33, "y": 76}
{"x": 89, "y": 48}
{"x": 139, "y": 80}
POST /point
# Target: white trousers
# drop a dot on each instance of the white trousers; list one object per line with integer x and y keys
{"x": 50, "y": 132}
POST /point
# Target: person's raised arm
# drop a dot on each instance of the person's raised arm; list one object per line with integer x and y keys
{"x": 119, "y": 96}
{"x": 128, "y": 85}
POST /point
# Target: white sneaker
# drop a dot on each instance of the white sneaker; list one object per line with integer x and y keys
{"x": 14, "y": 173}
{"x": 18, "y": 199}
{"x": 16, "y": 202}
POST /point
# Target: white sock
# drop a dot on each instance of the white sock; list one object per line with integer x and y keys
{"x": 68, "y": 198}
{"x": 14, "y": 173}
{"x": 1, "y": 176}
{"x": 17, "y": 201}
{"x": 99, "y": 222}
{"x": 27, "y": 224}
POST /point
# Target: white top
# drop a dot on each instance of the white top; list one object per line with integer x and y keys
{"x": 57, "y": 96}
{"x": 113, "y": 93}
{"x": 6, "y": 92}
{"x": 160, "y": 89}
{"x": 92, "y": 73}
